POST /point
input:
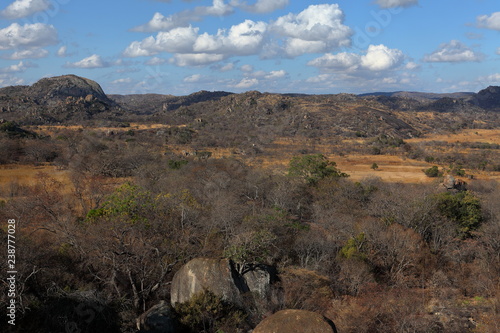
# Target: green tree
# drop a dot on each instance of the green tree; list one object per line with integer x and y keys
{"x": 433, "y": 172}
{"x": 313, "y": 168}
{"x": 463, "y": 208}
{"x": 374, "y": 166}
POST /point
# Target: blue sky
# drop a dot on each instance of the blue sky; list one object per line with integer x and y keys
{"x": 183, "y": 46}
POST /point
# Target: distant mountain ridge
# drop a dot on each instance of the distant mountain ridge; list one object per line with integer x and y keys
{"x": 70, "y": 99}
{"x": 421, "y": 96}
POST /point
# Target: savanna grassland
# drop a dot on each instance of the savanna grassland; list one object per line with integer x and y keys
{"x": 341, "y": 195}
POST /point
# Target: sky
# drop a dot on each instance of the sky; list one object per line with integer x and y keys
{"x": 282, "y": 46}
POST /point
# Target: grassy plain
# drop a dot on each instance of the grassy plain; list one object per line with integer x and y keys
{"x": 391, "y": 168}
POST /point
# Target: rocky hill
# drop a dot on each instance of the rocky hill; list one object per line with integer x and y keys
{"x": 56, "y": 99}
{"x": 247, "y": 116}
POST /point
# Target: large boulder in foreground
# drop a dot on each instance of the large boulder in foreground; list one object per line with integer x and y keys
{"x": 220, "y": 277}
{"x": 297, "y": 321}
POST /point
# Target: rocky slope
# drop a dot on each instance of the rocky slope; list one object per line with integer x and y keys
{"x": 240, "y": 117}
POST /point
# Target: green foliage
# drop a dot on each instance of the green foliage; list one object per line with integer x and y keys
{"x": 385, "y": 140}
{"x": 374, "y": 166}
{"x": 354, "y": 248}
{"x": 313, "y": 168}
{"x": 429, "y": 159}
{"x": 433, "y": 172}
{"x": 207, "y": 312}
{"x": 463, "y": 208}
{"x": 456, "y": 170}
{"x": 176, "y": 164}
{"x": 129, "y": 202}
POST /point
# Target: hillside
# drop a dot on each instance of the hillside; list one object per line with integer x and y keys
{"x": 75, "y": 100}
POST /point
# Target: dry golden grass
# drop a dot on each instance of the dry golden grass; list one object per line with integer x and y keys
{"x": 468, "y": 135}
{"x": 278, "y": 154}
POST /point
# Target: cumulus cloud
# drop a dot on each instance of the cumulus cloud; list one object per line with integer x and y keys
{"x": 377, "y": 58}
{"x": 454, "y": 51}
{"x": 9, "y": 80}
{"x": 22, "y": 8}
{"x": 189, "y": 47}
{"x": 318, "y": 28}
{"x": 381, "y": 58}
{"x": 192, "y": 78}
{"x": 159, "y": 22}
{"x": 273, "y": 75}
{"x": 155, "y": 61}
{"x": 196, "y": 59}
{"x": 489, "y": 21}
{"x": 396, "y": 3}
{"x": 94, "y": 61}
{"x": 28, "y": 54}
{"x": 264, "y": 6}
{"x": 247, "y": 83}
{"x": 26, "y": 36}
{"x": 20, "y": 67}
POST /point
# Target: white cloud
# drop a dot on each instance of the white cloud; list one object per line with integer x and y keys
{"x": 20, "y": 67}
{"x": 381, "y": 58}
{"x": 178, "y": 40}
{"x": 192, "y": 78}
{"x": 122, "y": 81}
{"x": 28, "y": 54}
{"x": 94, "y": 61}
{"x": 22, "y": 8}
{"x": 396, "y": 3}
{"x": 62, "y": 51}
{"x": 453, "y": 51}
{"x": 340, "y": 61}
{"x": 196, "y": 59}
{"x": 27, "y": 36}
{"x": 377, "y": 58}
{"x": 265, "y": 6}
{"x": 246, "y": 68}
{"x": 318, "y": 28}
{"x": 9, "y": 80}
{"x": 243, "y": 39}
{"x": 155, "y": 61}
{"x": 412, "y": 65}
{"x": 247, "y": 83}
{"x": 159, "y": 22}
{"x": 273, "y": 75}
{"x": 227, "y": 67}
{"x": 489, "y": 22}
{"x": 498, "y": 51}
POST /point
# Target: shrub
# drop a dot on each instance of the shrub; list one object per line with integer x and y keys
{"x": 433, "y": 172}
{"x": 313, "y": 168}
{"x": 463, "y": 208}
{"x": 207, "y": 312}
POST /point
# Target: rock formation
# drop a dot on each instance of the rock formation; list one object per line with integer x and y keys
{"x": 220, "y": 277}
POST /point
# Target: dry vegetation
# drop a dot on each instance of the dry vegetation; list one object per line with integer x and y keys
{"x": 107, "y": 213}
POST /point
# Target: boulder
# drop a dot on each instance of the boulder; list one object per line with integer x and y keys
{"x": 297, "y": 321}
{"x": 221, "y": 278}
{"x": 158, "y": 319}
{"x": 200, "y": 274}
